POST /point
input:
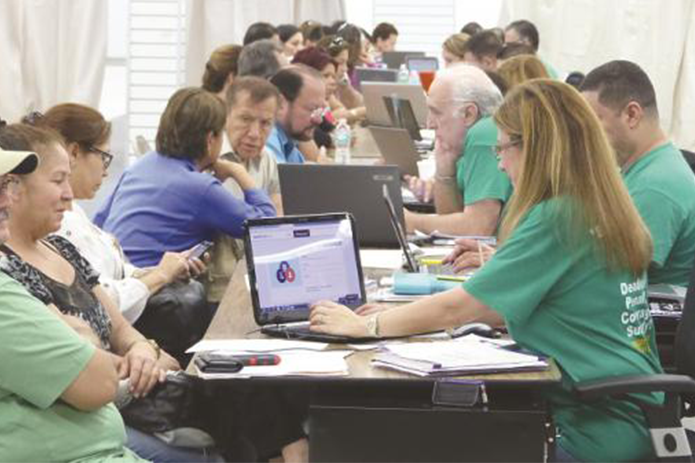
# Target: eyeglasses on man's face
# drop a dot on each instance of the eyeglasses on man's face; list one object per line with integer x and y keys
{"x": 106, "y": 157}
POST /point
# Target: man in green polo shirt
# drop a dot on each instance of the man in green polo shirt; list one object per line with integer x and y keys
{"x": 469, "y": 190}
{"x": 661, "y": 183}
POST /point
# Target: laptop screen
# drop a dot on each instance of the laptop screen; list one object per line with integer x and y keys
{"x": 295, "y": 261}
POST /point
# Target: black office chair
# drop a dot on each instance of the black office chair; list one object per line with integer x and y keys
{"x": 669, "y": 438}
{"x": 689, "y": 158}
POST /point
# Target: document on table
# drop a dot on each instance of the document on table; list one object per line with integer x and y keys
{"x": 381, "y": 258}
{"x": 255, "y": 345}
{"x": 455, "y": 357}
{"x": 293, "y": 363}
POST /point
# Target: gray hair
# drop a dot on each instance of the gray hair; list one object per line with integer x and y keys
{"x": 259, "y": 59}
{"x": 471, "y": 84}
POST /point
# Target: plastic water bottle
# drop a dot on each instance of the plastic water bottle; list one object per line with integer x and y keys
{"x": 403, "y": 74}
{"x": 342, "y": 137}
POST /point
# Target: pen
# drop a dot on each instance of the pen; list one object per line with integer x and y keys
{"x": 480, "y": 253}
{"x": 257, "y": 359}
{"x": 451, "y": 278}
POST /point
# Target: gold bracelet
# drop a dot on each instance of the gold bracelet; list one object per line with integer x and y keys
{"x": 152, "y": 343}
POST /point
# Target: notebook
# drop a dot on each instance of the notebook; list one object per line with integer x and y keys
{"x": 397, "y": 148}
{"x": 374, "y": 93}
{"x": 315, "y": 188}
{"x": 422, "y": 63}
{"x": 294, "y": 261}
{"x": 364, "y": 74}
{"x": 394, "y": 59}
{"x": 402, "y": 116}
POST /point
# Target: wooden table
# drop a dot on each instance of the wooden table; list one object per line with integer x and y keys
{"x": 376, "y": 414}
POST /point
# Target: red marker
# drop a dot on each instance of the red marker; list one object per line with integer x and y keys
{"x": 254, "y": 360}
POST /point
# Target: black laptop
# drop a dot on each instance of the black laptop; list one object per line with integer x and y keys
{"x": 316, "y": 188}
{"x": 394, "y": 59}
{"x": 294, "y": 261}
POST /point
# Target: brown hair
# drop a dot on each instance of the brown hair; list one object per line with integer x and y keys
{"x": 77, "y": 123}
{"x": 258, "y": 89}
{"x": 521, "y": 68}
{"x": 566, "y": 155}
{"x": 24, "y": 137}
{"x": 223, "y": 62}
{"x": 190, "y": 115}
{"x": 456, "y": 44}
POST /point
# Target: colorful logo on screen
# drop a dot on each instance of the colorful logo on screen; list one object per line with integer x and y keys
{"x": 285, "y": 273}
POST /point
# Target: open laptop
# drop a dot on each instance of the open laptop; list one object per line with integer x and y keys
{"x": 422, "y": 63}
{"x": 316, "y": 188}
{"x": 394, "y": 59}
{"x": 374, "y": 93}
{"x": 397, "y": 148}
{"x": 294, "y": 261}
{"x": 411, "y": 263}
{"x": 374, "y": 75}
{"x": 402, "y": 116}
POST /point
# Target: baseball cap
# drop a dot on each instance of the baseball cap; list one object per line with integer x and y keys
{"x": 17, "y": 162}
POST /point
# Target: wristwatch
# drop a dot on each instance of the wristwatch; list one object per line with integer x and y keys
{"x": 373, "y": 325}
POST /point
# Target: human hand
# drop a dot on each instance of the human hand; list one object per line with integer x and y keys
{"x": 370, "y": 309}
{"x": 140, "y": 365}
{"x": 329, "y": 317}
{"x": 168, "y": 363}
{"x": 173, "y": 265}
{"x": 445, "y": 158}
{"x": 421, "y": 188}
{"x": 468, "y": 253}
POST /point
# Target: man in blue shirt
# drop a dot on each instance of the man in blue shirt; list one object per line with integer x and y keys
{"x": 304, "y": 94}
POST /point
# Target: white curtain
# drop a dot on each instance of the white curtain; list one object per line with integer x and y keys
{"x": 578, "y": 35}
{"x": 53, "y": 51}
{"x": 212, "y": 23}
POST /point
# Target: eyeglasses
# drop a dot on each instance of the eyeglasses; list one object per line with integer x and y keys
{"x": 8, "y": 185}
{"x": 106, "y": 157}
{"x": 499, "y": 149}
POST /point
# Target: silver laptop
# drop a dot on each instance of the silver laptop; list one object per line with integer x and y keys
{"x": 397, "y": 148}
{"x": 374, "y": 75}
{"x": 374, "y": 93}
{"x": 422, "y": 63}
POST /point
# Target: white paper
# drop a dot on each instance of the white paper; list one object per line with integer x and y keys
{"x": 381, "y": 258}
{"x": 294, "y": 363}
{"x": 254, "y": 345}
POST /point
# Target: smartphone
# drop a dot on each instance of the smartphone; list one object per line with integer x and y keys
{"x": 200, "y": 249}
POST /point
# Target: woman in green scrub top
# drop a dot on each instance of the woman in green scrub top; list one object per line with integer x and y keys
{"x": 568, "y": 278}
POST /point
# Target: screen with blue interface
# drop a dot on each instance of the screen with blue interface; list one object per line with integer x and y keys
{"x": 297, "y": 264}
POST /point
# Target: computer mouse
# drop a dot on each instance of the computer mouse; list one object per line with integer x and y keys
{"x": 481, "y": 329}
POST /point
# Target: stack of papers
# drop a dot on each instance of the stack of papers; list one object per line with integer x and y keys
{"x": 297, "y": 358}
{"x": 456, "y": 357}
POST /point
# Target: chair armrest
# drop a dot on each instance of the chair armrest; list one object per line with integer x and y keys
{"x": 628, "y": 384}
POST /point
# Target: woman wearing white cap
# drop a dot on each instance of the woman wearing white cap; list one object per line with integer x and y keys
{"x": 58, "y": 408}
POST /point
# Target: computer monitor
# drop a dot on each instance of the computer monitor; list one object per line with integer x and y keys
{"x": 417, "y": 63}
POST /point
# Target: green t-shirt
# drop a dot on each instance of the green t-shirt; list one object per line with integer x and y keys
{"x": 477, "y": 175}
{"x": 552, "y": 73}
{"x": 40, "y": 356}
{"x": 558, "y": 298}
{"x": 662, "y": 185}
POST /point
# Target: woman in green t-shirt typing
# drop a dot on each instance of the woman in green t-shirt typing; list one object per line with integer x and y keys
{"x": 568, "y": 279}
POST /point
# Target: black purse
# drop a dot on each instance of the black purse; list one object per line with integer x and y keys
{"x": 176, "y": 317}
{"x": 173, "y": 404}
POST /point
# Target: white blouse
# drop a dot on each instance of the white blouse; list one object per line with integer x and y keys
{"x": 116, "y": 274}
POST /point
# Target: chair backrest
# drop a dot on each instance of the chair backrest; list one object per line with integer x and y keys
{"x": 685, "y": 339}
{"x": 689, "y": 158}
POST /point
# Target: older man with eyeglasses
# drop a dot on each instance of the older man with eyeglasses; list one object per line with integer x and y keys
{"x": 469, "y": 190}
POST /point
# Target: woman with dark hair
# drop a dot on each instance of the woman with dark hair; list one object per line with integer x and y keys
{"x": 292, "y": 39}
{"x": 167, "y": 200}
{"x": 339, "y": 49}
{"x": 221, "y": 69}
{"x": 259, "y": 31}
